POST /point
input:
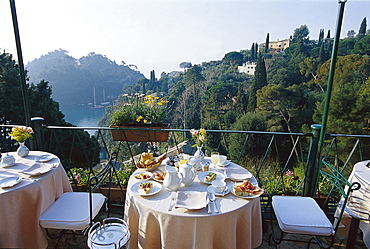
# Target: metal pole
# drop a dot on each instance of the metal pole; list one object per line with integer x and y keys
{"x": 329, "y": 86}
{"x": 20, "y": 64}
{"x": 22, "y": 75}
{"x": 309, "y": 187}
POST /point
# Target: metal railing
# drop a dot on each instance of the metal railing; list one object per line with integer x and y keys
{"x": 283, "y": 153}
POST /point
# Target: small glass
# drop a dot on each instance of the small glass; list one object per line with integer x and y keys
{"x": 215, "y": 157}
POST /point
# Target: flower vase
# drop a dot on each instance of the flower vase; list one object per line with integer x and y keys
{"x": 22, "y": 150}
{"x": 199, "y": 154}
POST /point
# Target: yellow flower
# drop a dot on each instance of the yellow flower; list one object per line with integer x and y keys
{"x": 139, "y": 119}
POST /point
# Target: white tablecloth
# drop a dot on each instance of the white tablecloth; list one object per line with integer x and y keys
{"x": 361, "y": 174}
{"x": 237, "y": 225}
{"x": 22, "y": 205}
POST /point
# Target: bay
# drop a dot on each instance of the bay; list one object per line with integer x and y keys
{"x": 83, "y": 116}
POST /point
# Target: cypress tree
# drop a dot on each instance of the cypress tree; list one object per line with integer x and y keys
{"x": 267, "y": 43}
{"x": 252, "y": 52}
{"x": 362, "y": 30}
{"x": 259, "y": 81}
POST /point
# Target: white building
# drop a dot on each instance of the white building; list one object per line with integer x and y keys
{"x": 247, "y": 68}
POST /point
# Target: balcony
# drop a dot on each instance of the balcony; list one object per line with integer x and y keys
{"x": 281, "y": 162}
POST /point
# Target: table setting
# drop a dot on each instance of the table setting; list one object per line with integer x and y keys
{"x": 28, "y": 186}
{"x": 188, "y": 190}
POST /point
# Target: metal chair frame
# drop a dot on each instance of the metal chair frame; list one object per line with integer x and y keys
{"x": 94, "y": 183}
{"x": 343, "y": 186}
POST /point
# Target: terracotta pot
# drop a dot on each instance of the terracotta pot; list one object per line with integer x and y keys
{"x": 140, "y": 135}
{"x": 115, "y": 192}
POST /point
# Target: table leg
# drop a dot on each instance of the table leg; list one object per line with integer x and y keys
{"x": 352, "y": 234}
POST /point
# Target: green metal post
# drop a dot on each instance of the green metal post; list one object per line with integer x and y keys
{"x": 21, "y": 68}
{"x": 311, "y": 169}
{"x": 329, "y": 86}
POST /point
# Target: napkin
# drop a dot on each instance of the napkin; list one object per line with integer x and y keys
{"x": 237, "y": 173}
{"x": 38, "y": 169}
{"x": 191, "y": 200}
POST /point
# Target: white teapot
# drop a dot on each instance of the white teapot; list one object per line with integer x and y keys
{"x": 188, "y": 174}
{"x": 172, "y": 180}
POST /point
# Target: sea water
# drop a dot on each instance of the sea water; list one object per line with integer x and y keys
{"x": 83, "y": 116}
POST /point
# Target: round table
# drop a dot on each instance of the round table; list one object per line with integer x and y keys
{"x": 22, "y": 204}
{"x": 152, "y": 225}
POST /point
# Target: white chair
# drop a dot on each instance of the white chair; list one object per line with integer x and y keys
{"x": 303, "y": 216}
{"x": 75, "y": 211}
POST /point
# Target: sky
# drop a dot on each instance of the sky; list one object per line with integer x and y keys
{"x": 160, "y": 34}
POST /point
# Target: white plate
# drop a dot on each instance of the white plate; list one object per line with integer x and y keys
{"x": 202, "y": 176}
{"x": 38, "y": 169}
{"x": 212, "y": 190}
{"x": 247, "y": 197}
{"x": 44, "y": 158}
{"x": 155, "y": 189}
{"x": 159, "y": 173}
{"x": 148, "y": 174}
{"x": 227, "y": 162}
{"x": 10, "y": 181}
{"x": 7, "y": 165}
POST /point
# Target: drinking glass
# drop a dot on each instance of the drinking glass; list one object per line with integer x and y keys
{"x": 215, "y": 157}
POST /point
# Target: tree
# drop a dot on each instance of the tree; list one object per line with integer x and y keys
{"x": 301, "y": 34}
{"x": 185, "y": 65}
{"x": 259, "y": 81}
{"x": 363, "y": 46}
{"x": 267, "y": 43}
{"x": 362, "y": 30}
{"x": 233, "y": 58}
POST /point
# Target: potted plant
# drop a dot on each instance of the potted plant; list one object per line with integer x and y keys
{"x": 136, "y": 112}
{"x": 81, "y": 177}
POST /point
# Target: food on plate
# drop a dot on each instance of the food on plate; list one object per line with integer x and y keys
{"x": 148, "y": 161}
{"x": 146, "y": 187}
{"x": 142, "y": 176}
{"x": 159, "y": 176}
{"x": 210, "y": 177}
{"x": 247, "y": 189}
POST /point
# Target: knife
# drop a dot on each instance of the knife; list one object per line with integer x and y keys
{"x": 208, "y": 204}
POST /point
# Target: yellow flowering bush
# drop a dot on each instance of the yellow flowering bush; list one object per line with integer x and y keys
{"x": 139, "y": 109}
{"x": 21, "y": 133}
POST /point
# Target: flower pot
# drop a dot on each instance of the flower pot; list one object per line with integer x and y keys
{"x": 116, "y": 194}
{"x": 140, "y": 135}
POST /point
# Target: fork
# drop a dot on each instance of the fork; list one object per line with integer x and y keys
{"x": 171, "y": 200}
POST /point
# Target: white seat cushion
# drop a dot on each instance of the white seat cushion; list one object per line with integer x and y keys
{"x": 71, "y": 211}
{"x": 301, "y": 215}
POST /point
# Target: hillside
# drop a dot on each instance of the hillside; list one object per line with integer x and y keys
{"x": 73, "y": 80}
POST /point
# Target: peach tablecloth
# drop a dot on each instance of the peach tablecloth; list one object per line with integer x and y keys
{"x": 237, "y": 225}
{"x": 22, "y": 205}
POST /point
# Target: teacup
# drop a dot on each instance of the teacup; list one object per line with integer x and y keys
{"x": 7, "y": 160}
{"x": 219, "y": 185}
{"x": 222, "y": 159}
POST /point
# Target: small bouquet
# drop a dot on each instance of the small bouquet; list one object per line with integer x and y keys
{"x": 21, "y": 133}
{"x": 199, "y": 137}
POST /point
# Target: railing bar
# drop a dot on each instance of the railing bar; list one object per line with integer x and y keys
{"x": 350, "y": 156}
{"x": 242, "y": 149}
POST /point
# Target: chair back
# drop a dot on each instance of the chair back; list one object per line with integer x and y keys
{"x": 339, "y": 184}
{"x": 105, "y": 176}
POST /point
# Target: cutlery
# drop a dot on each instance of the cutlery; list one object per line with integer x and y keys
{"x": 209, "y": 204}
{"x": 212, "y": 197}
{"x": 171, "y": 200}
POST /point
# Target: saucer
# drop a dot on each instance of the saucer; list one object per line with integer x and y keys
{"x": 7, "y": 165}
{"x": 212, "y": 190}
{"x": 227, "y": 162}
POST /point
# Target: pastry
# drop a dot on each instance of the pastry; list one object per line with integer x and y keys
{"x": 247, "y": 189}
{"x": 210, "y": 177}
{"x": 145, "y": 187}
